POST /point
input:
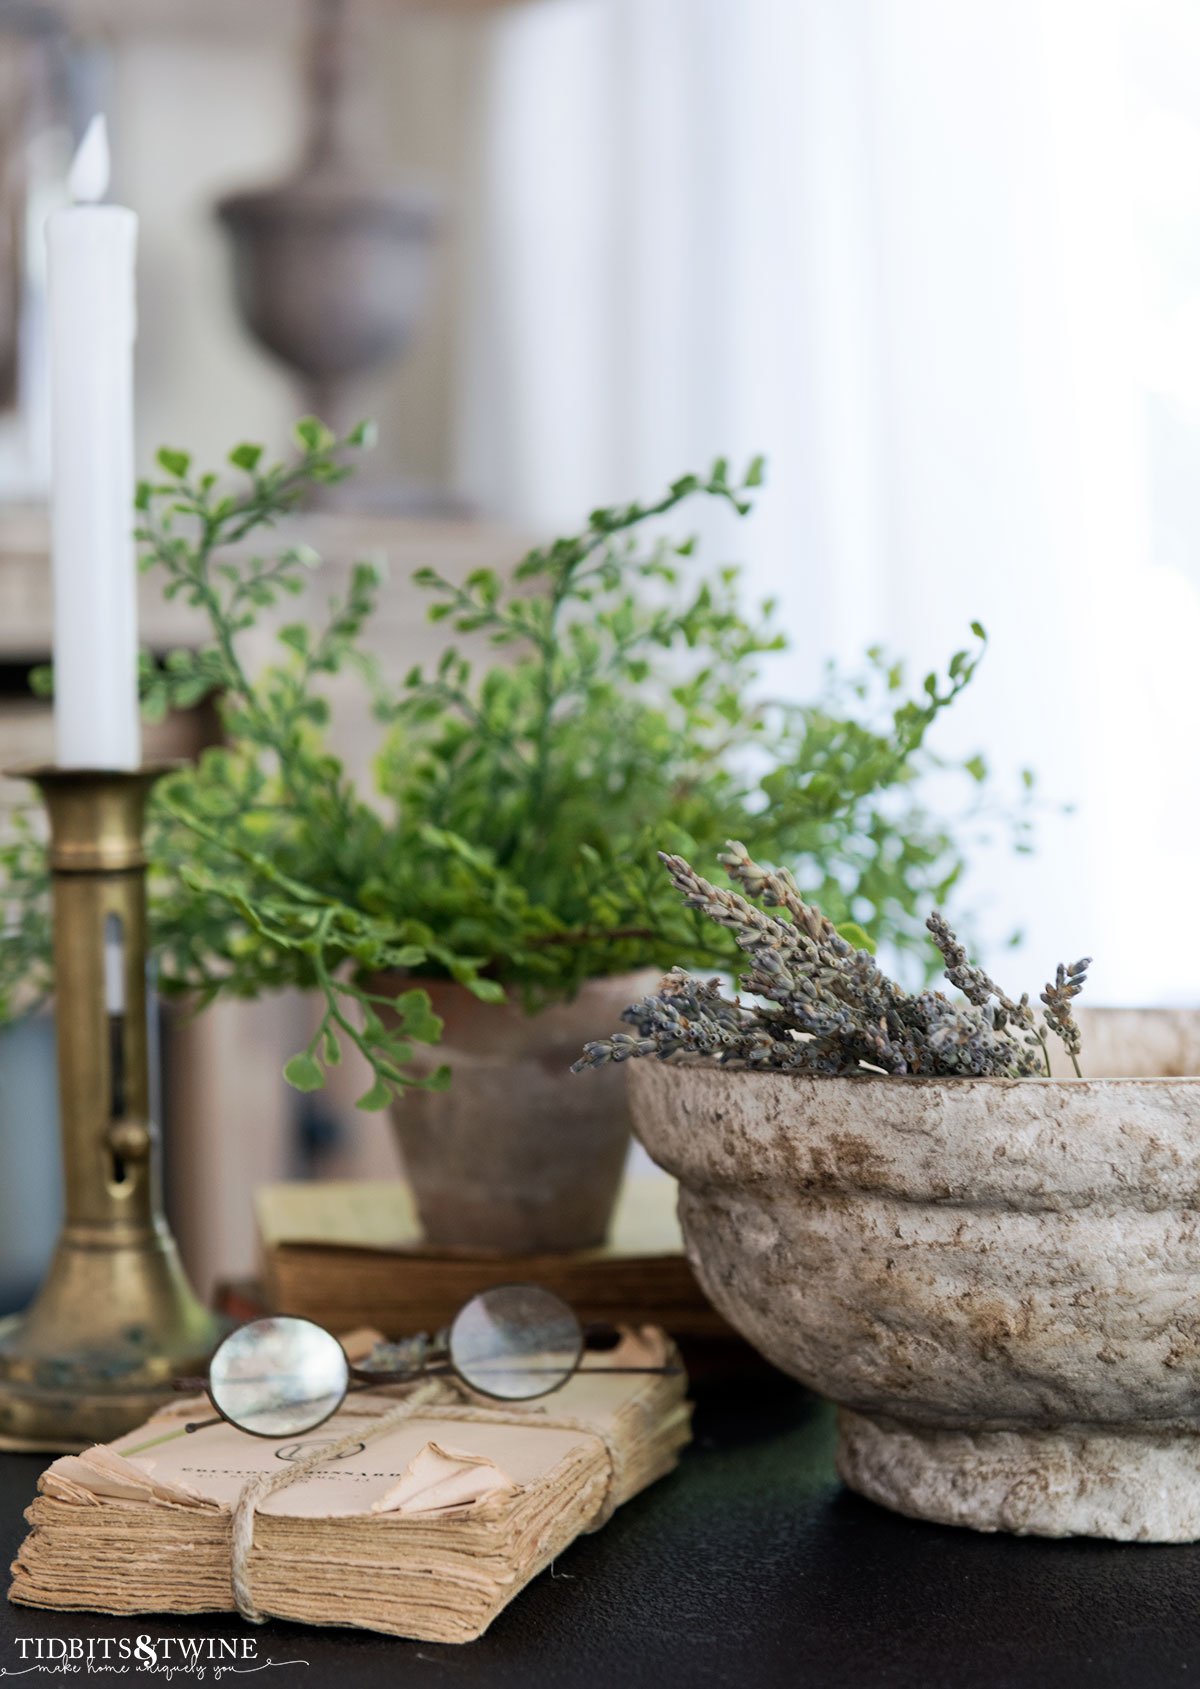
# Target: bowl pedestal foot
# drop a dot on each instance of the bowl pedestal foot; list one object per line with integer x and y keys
{"x": 1136, "y": 1486}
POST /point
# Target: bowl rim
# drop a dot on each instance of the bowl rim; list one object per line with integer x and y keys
{"x": 951, "y": 1082}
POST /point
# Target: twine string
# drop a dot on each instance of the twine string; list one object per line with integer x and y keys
{"x": 446, "y": 1397}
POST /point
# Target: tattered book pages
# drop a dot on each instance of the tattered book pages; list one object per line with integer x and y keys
{"x": 425, "y": 1530}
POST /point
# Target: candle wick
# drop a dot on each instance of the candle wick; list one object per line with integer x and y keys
{"x": 88, "y": 177}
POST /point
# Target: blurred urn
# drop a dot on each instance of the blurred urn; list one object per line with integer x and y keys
{"x": 331, "y": 267}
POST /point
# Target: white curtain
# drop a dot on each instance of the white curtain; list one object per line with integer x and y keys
{"x": 901, "y": 246}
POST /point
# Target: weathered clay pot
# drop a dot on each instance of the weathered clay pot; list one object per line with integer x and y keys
{"x": 997, "y": 1281}
{"x": 519, "y": 1154}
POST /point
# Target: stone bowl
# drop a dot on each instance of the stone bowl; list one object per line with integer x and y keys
{"x": 996, "y": 1280}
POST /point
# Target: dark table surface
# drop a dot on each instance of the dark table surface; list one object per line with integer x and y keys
{"x": 750, "y": 1567}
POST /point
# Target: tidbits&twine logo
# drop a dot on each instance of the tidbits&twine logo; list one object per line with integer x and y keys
{"x": 199, "y": 1657}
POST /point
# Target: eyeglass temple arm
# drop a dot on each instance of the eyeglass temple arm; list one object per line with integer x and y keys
{"x": 669, "y": 1371}
{"x": 366, "y": 1376}
{"x": 376, "y": 1375}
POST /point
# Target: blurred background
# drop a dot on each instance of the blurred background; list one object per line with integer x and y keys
{"x": 938, "y": 259}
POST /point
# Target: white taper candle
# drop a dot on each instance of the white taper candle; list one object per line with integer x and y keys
{"x": 91, "y": 262}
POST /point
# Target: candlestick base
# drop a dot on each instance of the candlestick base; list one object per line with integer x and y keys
{"x": 116, "y": 1320}
{"x": 114, "y": 1324}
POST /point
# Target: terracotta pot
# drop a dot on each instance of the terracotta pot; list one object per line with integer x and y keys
{"x": 520, "y": 1154}
{"x": 998, "y": 1281}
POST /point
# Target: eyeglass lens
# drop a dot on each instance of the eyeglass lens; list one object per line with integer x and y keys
{"x": 515, "y": 1342}
{"x": 278, "y": 1377}
{"x": 283, "y": 1376}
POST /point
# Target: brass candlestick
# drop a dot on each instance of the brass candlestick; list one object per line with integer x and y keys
{"x": 116, "y": 1319}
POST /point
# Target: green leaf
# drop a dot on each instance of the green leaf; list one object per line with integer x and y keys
{"x": 312, "y": 434}
{"x": 303, "y": 1073}
{"x": 154, "y": 703}
{"x": 175, "y": 463}
{"x": 417, "y": 1017}
{"x": 364, "y": 435}
{"x": 246, "y": 457}
{"x": 378, "y": 1097}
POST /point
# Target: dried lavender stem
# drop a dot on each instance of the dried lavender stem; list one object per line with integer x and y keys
{"x": 824, "y": 1007}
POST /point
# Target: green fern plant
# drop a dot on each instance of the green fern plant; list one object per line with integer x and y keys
{"x": 510, "y": 842}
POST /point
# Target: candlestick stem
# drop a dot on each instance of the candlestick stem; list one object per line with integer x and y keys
{"x": 116, "y": 1319}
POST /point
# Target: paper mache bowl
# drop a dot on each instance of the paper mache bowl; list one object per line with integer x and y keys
{"x": 997, "y": 1281}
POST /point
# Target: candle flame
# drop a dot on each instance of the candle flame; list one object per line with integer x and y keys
{"x": 88, "y": 178}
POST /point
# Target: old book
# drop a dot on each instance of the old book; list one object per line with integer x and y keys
{"x": 425, "y": 1529}
{"x": 348, "y": 1254}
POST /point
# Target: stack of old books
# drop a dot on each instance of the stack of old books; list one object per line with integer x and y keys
{"x": 426, "y": 1529}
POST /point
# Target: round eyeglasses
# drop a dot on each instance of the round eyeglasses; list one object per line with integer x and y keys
{"x": 283, "y": 1376}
